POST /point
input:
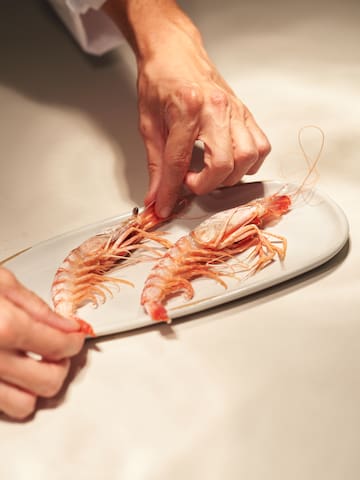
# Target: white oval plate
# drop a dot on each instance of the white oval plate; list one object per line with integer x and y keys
{"x": 315, "y": 228}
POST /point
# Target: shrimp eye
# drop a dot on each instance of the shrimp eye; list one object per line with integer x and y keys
{"x": 135, "y": 211}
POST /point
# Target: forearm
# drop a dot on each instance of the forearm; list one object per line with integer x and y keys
{"x": 183, "y": 98}
{"x": 149, "y": 25}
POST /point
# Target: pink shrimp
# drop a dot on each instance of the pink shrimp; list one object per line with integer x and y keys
{"x": 216, "y": 239}
{"x": 82, "y": 274}
{"x": 220, "y": 237}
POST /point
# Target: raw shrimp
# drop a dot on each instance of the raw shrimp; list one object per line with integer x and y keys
{"x": 215, "y": 240}
{"x": 82, "y": 274}
{"x": 219, "y": 238}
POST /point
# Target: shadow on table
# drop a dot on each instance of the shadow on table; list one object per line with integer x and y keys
{"x": 251, "y": 301}
{"x": 168, "y": 332}
{"x": 41, "y": 61}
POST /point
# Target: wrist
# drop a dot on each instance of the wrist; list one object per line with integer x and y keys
{"x": 149, "y": 26}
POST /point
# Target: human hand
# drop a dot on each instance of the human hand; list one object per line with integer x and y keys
{"x": 27, "y": 324}
{"x": 182, "y": 98}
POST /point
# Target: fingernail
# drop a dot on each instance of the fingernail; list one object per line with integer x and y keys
{"x": 164, "y": 212}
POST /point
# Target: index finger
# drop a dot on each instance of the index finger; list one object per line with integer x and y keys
{"x": 20, "y": 331}
{"x": 28, "y": 301}
{"x": 176, "y": 161}
{"x": 182, "y": 111}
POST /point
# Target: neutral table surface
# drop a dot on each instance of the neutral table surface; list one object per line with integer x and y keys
{"x": 263, "y": 388}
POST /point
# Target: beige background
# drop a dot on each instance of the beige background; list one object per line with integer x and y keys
{"x": 263, "y": 388}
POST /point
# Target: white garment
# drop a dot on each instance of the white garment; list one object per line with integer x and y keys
{"x": 91, "y": 27}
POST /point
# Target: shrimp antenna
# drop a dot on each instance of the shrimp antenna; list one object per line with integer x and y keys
{"x": 312, "y": 164}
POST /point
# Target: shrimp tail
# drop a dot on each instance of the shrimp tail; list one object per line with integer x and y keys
{"x": 205, "y": 249}
{"x": 157, "y": 311}
{"x": 85, "y": 327}
{"x": 81, "y": 277}
{"x": 276, "y": 206}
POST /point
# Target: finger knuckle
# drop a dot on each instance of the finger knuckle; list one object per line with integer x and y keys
{"x": 64, "y": 346}
{"x": 41, "y": 309}
{"x": 56, "y": 352}
{"x": 249, "y": 155}
{"x": 145, "y": 127}
{"x": 4, "y": 363}
{"x": 153, "y": 168}
{"x": 219, "y": 99}
{"x": 264, "y": 148}
{"x": 179, "y": 165}
{"x": 51, "y": 387}
{"x": 24, "y": 407}
{"x": 7, "y": 278}
{"x": 54, "y": 380}
{"x": 222, "y": 167}
{"x": 191, "y": 98}
{"x": 8, "y": 334}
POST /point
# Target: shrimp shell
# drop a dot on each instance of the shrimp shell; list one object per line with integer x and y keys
{"x": 82, "y": 275}
{"x": 209, "y": 245}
